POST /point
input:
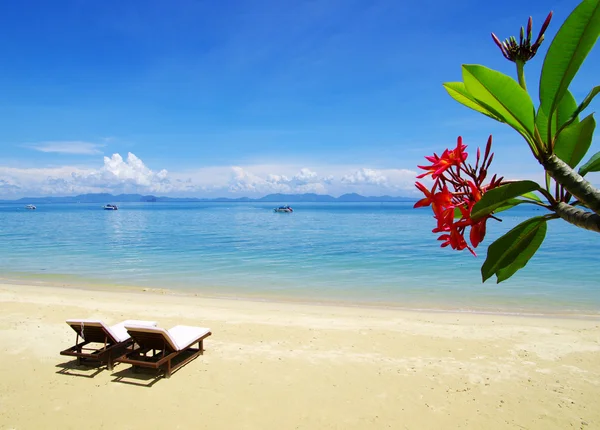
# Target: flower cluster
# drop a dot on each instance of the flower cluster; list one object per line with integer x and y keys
{"x": 524, "y": 50}
{"x": 452, "y": 209}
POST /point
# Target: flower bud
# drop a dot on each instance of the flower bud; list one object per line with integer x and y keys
{"x": 522, "y": 51}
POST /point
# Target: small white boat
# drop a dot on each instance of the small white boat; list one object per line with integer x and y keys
{"x": 110, "y": 207}
{"x": 31, "y": 207}
{"x": 284, "y": 209}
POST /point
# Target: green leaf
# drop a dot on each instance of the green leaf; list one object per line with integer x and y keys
{"x": 592, "y": 165}
{"x": 459, "y": 93}
{"x": 532, "y": 196}
{"x": 541, "y": 122}
{"x": 512, "y": 251}
{"x": 566, "y": 108}
{"x": 575, "y": 140}
{"x": 588, "y": 99}
{"x": 497, "y": 197}
{"x": 509, "y": 204}
{"x": 570, "y": 46}
{"x": 501, "y": 94}
{"x": 564, "y": 113}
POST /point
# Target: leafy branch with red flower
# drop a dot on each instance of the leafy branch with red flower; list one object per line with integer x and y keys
{"x": 460, "y": 197}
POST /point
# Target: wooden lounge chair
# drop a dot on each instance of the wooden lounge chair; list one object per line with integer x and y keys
{"x": 166, "y": 350}
{"x": 111, "y": 342}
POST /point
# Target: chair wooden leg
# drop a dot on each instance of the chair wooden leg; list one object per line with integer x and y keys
{"x": 168, "y": 370}
{"x": 78, "y": 349}
{"x": 201, "y": 346}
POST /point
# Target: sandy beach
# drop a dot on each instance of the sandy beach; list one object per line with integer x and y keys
{"x": 295, "y": 366}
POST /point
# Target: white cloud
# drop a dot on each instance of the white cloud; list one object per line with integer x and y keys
{"x": 116, "y": 175}
{"x": 365, "y": 176}
{"x": 133, "y": 171}
{"x": 379, "y": 181}
{"x": 315, "y": 187}
{"x": 68, "y": 147}
{"x": 305, "y": 181}
{"x": 305, "y": 176}
{"x": 7, "y": 186}
{"x": 131, "y": 175}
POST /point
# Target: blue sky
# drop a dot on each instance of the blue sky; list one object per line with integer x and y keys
{"x": 248, "y": 97}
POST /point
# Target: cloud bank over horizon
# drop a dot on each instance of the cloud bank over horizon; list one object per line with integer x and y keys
{"x": 132, "y": 175}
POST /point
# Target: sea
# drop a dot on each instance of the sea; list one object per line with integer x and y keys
{"x": 358, "y": 254}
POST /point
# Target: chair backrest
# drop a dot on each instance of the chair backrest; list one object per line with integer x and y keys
{"x": 93, "y": 331}
{"x": 152, "y": 337}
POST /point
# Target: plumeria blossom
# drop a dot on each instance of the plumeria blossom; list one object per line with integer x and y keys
{"x": 448, "y": 159}
{"x": 452, "y": 209}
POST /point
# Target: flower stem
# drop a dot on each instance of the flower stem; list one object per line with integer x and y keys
{"x": 521, "y": 73}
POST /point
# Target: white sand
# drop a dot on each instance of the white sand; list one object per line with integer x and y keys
{"x": 292, "y": 366}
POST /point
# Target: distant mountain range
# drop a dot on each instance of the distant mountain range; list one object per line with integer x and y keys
{"x": 276, "y": 198}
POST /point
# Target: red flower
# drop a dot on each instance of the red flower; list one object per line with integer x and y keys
{"x": 448, "y": 159}
{"x": 441, "y": 204}
{"x": 477, "y": 228}
{"x": 456, "y": 240}
{"x": 477, "y": 232}
{"x": 445, "y": 220}
{"x": 442, "y": 201}
{"x": 474, "y": 192}
{"x": 467, "y": 182}
{"x": 428, "y": 196}
{"x": 438, "y": 201}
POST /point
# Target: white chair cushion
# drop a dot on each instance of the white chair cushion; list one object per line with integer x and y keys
{"x": 184, "y": 336}
{"x": 117, "y": 331}
{"x": 179, "y": 337}
{"x": 80, "y": 325}
{"x": 120, "y": 330}
{"x": 157, "y": 330}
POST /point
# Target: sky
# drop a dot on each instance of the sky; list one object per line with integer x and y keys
{"x": 250, "y": 97}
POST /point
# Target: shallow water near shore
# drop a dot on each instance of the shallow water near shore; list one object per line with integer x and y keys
{"x": 369, "y": 253}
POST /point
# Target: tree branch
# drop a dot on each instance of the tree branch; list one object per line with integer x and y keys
{"x": 572, "y": 182}
{"x": 578, "y": 217}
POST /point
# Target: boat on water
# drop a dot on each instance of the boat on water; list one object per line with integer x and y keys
{"x": 30, "y": 207}
{"x": 110, "y": 207}
{"x": 284, "y": 209}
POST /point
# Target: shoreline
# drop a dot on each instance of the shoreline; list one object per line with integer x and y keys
{"x": 88, "y": 285}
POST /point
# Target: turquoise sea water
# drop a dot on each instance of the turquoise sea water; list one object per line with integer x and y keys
{"x": 360, "y": 253}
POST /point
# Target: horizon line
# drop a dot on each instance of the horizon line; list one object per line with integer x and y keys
{"x": 233, "y": 199}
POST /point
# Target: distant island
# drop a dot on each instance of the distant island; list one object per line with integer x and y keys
{"x": 275, "y": 198}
